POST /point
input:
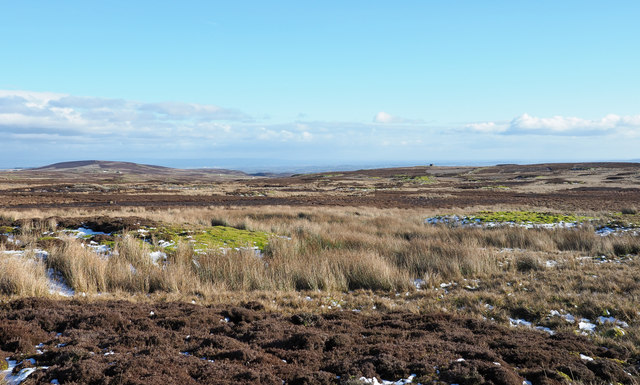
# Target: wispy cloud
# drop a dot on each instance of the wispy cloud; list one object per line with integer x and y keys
{"x": 383, "y": 117}
{"x": 49, "y": 113}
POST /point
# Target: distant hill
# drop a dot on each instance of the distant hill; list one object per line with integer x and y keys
{"x": 129, "y": 168}
{"x": 89, "y": 165}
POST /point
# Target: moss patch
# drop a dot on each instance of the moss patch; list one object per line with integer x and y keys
{"x": 526, "y": 217}
{"x": 7, "y": 230}
{"x": 421, "y": 179}
{"x": 224, "y": 236}
{"x": 212, "y": 237}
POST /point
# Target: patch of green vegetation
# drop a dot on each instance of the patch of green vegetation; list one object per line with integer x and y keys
{"x": 526, "y": 217}
{"x": 420, "y": 179}
{"x": 564, "y": 375}
{"x": 213, "y": 237}
{"x": 499, "y": 187}
{"x": 7, "y": 230}
{"x": 615, "y": 332}
{"x": 110, "y": 244}
{"x": 47, "y": 238}
{"x": 224, "y": 236}
{"x": 331, "y": 175}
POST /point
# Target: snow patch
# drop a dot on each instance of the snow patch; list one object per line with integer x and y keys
{"x": 81, "y": 232}
{"x": 374, "y": 381}
{"x": 157, "y": 256}
{"x": 611, "y": 320}
{"x": 586, "y": 325}
{"x": 15, "y": 379}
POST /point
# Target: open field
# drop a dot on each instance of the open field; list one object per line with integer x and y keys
{"x": 460, "y": 275}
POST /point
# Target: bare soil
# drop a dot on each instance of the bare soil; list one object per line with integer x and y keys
{"x": 116, "y": 342}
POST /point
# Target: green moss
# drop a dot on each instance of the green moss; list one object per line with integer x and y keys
{"x": 213, "y": 237}
{"x": 110, "y": 244}
{"x": 47, "y": 238}
{"x": 500, "y": 187}
{"x": 7, "y": 230}
{"x": 564, "y": 375}
{"x": 224, "y": 236}
{"x": 421, "y": 179}
{"x": 614, "y": 332}
{"x": 526, "y": 217}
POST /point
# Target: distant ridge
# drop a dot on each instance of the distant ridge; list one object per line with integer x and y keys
{"x": 115, "y": 167}
{"x": 101, "y": 164}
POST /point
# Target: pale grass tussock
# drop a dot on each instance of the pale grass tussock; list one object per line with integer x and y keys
{"x": 23, "y": 275}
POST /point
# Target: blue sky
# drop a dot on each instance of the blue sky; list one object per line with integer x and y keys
{"x": 299, "y": 83}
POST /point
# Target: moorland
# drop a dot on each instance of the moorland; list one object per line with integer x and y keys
{"x": 119, "y": 273}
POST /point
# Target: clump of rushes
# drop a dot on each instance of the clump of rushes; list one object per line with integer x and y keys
{"x": 22, "y": 275}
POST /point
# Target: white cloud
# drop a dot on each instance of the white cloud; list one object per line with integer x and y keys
{"x": 488, "y": 127}
{"x": 526, "y": 124}
{"x": 383, "y": 117}
{"x": 386, "y": 118}
{"x": 60, "y": 114}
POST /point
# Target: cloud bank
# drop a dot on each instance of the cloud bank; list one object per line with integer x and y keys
{"x": 562, "y": 126}
{"x": 42, "y": 127}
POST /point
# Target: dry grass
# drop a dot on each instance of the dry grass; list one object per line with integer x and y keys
{"x": 22, "y": 275}
{"x": 329, "y": 249}
{"x": 83, "y": 270}
{"x": 360, "y": 259}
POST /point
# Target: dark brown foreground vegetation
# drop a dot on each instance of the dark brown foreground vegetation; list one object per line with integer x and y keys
{"x": 107, "y": 342}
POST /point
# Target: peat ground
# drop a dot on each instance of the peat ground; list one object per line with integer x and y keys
{"x": 117, "y": 342}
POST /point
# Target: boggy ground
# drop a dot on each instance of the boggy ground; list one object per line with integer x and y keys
{"x": 117, "y": 342}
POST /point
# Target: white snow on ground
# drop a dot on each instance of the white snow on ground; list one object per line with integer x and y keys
{"x": 586, "y": 325}
{"x": 12, "y": 239}
{"x": 56, "y": 281}
{"x": 516, "y": 322}
{"x": 157, "y": 256}
{"x": 611, "y": 320}
{"x": 545, "y": 329}
{"x": 458, "y": 221}
{"x": 36, "y": 252}
{"x": 57, "y": 284}
{"x": 551, "y": 263}
{"x": 15, "y": 379}
{"x": 585, "y": 358}
{"x": 374, "y": 381}
{"x": 606, "y": 230}
{"x": 83, "y": 232}
{"x": 99, "y": 249}
{"x": 567, "y": 317}
{"x": 164, "y": 244}
{"x": 419, "y": 283}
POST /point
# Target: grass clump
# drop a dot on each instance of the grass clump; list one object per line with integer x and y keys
{"x": 22, "y": 275}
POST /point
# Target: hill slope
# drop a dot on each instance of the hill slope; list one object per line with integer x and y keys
{"x": 93, "y": 167}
